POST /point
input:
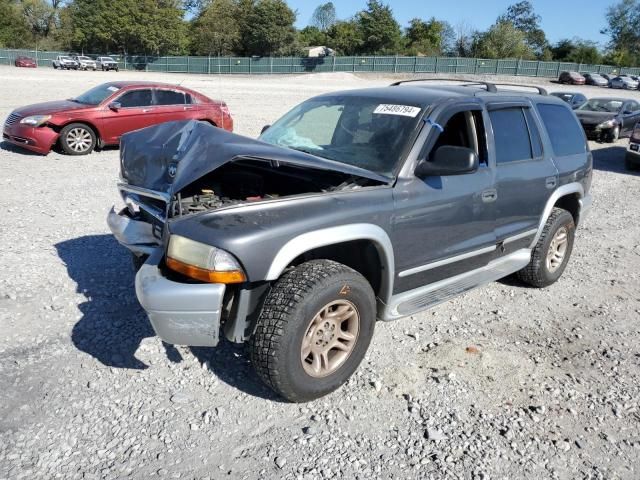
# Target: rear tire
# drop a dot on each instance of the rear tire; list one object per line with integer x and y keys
{"x": 78, "y": 139}
{"x": 551, "y": 254}
{"x": 314, "y": 330}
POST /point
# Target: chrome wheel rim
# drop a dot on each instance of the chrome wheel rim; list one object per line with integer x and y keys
{"x": 79, "y": 140}
{"x": 557, "y": 249}
{"x": 330, "y": 338}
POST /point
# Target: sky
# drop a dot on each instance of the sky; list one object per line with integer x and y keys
{"x": 559, "y": 18}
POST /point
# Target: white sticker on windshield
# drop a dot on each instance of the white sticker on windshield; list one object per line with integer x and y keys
{"x": 113, "y": 89}
{"x": 404, "y": 110}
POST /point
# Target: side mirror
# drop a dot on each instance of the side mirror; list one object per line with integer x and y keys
{"x": 449, "y": 160}
{"x": 264, "y": 129}
{"x": 627, "y": 112}
{"x": 115, "y": 106}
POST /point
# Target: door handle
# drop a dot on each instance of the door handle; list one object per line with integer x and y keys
{"x": 188, "y": 108}
{"x": 146, "y": 110}
{"x": 550, "y": 182}
{"x": 489, "y": 196}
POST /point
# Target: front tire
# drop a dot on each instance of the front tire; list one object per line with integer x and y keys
{"x": 551, "y": 254}
{"x": 77, "y": 139}
{"x": 613, "y": 135}
{"x": 314, "y": 330}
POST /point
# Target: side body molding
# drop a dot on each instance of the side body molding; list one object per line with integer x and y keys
{"x": 334, "y": 235}
{"x": 560, "y": 192}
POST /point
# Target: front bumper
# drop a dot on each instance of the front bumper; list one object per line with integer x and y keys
{"x": 180, "y": 313}
{"x": 136, "y": 235}
{"x": 36, "y": 139}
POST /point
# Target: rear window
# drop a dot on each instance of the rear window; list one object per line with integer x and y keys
{"x": 170, "y": 97}
{"x": 565, "y": 133}
{"x": 511, "y": 135}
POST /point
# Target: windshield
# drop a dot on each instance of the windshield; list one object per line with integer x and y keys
{"x": 66, "y": 58}
{"x": 364, "y": 132}
{"x": 564, "y": 96}
{"x": 84, "y": 58}
{"x": 97, "y": 94}
{"x": 107, "y": 59}
{"x": 602, "y": 105}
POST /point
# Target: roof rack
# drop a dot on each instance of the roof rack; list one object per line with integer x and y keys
{"x": 490, "y": 86}
{"x": 468, "y": 83}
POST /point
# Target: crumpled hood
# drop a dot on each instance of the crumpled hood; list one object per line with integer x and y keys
{"x": 170, "y": 156}
{"x": 48, "y": 108}
{"x": 594, "y": 118}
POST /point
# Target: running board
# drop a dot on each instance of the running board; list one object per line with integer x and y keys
{"x": 413, "y": 301}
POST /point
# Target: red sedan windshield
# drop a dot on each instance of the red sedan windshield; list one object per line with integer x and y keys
{"x": 97, "y": 94}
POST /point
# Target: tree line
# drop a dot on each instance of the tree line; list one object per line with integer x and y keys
{"x": 267, "y": 27}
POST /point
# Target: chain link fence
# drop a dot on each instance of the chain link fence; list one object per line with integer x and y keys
{"x": 280, "y": 65}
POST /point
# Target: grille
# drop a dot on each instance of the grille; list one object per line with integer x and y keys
{"x": 12, "y": 118}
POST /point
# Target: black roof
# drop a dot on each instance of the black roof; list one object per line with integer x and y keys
{"x": 428, "y": 94}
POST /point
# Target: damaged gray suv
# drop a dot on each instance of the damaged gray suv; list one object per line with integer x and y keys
{"x": 355, "y": 206}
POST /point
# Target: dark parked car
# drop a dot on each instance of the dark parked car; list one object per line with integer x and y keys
{"x": 354, "y": 206}
{"x": 607, "y": 119}
{"x": 26, "y": 62}
{"x": 103, "y": 114}
{"x": 574, "y": 99}
{"x": 595, "y": 79}
{"x": 632, "y": 158}
{"x": 571, "y": 78}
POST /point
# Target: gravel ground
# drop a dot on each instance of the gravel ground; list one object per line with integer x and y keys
{"x": 503, "y": 382}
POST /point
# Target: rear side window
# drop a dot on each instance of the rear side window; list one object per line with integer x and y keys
{"x": 136, "y": 98}
{"x": 169, "y": 97}
{"x": 565, "y": 133}
{"x": 511, "y": 135}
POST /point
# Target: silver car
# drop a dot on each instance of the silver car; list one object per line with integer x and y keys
{"x": 627, "y": 83}
{"x": 85, "y": 63}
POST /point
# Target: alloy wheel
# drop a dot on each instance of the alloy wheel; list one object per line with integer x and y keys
{"x": 79, "y": 140}
{"x": 557, "y": 249}
{"x": 330, "y": 338}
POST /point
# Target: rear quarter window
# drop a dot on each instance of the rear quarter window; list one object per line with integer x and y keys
{"x": 564, "y": 131}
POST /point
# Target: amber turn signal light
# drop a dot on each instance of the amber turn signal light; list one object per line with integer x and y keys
{"x": 204, "y": 275}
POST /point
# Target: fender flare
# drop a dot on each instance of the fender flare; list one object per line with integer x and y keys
{"x": 568, "y": 189}
{"x": 336, "y": 235}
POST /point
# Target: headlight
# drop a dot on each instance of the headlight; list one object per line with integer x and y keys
{"x": 35, "y": 120}
{"x": 203, "y": 262}
{"x": 607, "y": 124}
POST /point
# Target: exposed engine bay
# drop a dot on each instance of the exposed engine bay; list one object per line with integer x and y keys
{"x": 254, "y": 180}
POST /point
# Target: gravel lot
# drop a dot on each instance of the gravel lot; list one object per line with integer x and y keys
{"x": 504, "y": 382}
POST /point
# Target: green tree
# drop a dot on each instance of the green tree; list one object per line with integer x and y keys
{"x": 324, "y": 16}
{"x": 14, "y": 30}
{"x": 577, "y": 51}
{"x": 432, "y": 37}
{"x": 312, "y": 36}
{"x": 524, "y": 18}
{"x": 269, "y": 29}
{"x": 216, "y": 30}
{"x": 379, "y": 30}
{"x": 345, "y": 37}
{"x": 623, "y": 28}
{"x": 503, "y": 40}
{"x": 130, "y": 26}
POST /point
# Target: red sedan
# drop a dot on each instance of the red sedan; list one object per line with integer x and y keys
{"x": 27, "y": 62}
{"x": 100, "y": 116}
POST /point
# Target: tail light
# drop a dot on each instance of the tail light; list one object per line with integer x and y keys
{"x": 635, "y": 136}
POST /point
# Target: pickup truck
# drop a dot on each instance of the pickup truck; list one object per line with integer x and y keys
{"x": 354, "y": 206}
{"x": 64, "y": 62}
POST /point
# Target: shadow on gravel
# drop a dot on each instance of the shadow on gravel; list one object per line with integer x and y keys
{"x": 230, "y": 363}
{"x": 112, "y": 324}
{"x": 611, "y": 159}
{"x": 10, "y": 147}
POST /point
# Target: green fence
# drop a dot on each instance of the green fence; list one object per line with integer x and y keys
{"x": 276, "y": 65}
